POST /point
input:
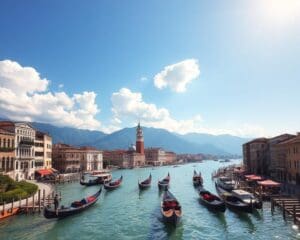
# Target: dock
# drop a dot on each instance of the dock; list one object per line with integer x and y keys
{"x": 290, "y": 206}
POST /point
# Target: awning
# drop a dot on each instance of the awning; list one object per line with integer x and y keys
{"x": 44, "y": 172}
{"x": 253, "y": 177}
{"x": 269, "y": 183}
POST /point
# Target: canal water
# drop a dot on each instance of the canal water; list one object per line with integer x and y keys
{"x": 127, "y": 213}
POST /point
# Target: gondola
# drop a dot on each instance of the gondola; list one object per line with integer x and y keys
{"x": 170, "y": 208}
{"x": 197, "y": 179}
{"x": 75, "y": 207}
{"x": 233, "y": 202}
{"x": 211, "y": 201}
{"x": 146, "y": 183}
{"x": 164, "y": 184}
{"x": 114, "y": 184}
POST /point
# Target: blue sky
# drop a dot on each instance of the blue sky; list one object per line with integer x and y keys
{"x": 223, "y": 66}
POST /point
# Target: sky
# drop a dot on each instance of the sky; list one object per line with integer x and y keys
{"x": 217, "y": 67}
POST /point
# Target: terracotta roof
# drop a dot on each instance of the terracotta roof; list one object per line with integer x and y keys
{"x": 3, "y": 131}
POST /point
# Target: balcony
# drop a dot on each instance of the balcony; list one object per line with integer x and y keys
{"x": 7, "y": 149}
{"x": 26, "y": 142}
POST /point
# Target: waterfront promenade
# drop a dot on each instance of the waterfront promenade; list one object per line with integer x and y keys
{"x": 47, "y": 188}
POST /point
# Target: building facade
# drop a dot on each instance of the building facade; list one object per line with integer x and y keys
{"x": 70, "y": 159}
{"x": 24, "y": 164}
{"x": 255, "y": 156}
{"x": 292, "y": 166}
{"x": 43, "y": 151}
{"x": 7, "y": 152}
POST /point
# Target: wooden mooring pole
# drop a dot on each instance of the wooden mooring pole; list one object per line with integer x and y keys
{"x": 294, "y": 214}
{"x": 283, "y": 210}
{"x": 39, "y": 199}
{"x": 33, "y": 203}
{"x": 44, "y": 197}
{"x": 272, "y": 206}
{"x": 27, "y": 205}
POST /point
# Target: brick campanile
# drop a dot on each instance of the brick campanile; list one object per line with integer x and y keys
{"x": 139, "y": 140}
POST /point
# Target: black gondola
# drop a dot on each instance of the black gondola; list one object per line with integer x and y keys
{"x": 211, "y": 201}
{"x": 170, "y": 208}
{"x": 197, "y": 179}
{"x": 146, "y": 183}
{"x": 164, "y": 184}
{"x": 76, "y": 207}
{"x": 114, "y": 184}
{"x": 233, "y": 202}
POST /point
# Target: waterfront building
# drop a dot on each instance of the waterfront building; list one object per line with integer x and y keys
{"x": 292, "y": 161}
{"x": 71, "y": 159}
{"x": 159, "y": 157}
{"x": 7, "y": 152}
{"x": 43, "y": 151}
{"x": 255, "y": 155}
{"x": 113, "y": 157}
{"x": 24, "y": 164}
{"x": 277, "y": 157}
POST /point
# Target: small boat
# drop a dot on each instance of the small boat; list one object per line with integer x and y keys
{"x": 233, "y": 202}
{"x": 164, "y": 184}
{"x": 8, "y": 212}
{"x": 247, "y": 197}
{"x": 146, "y": 183}
{"x": 211, "y": 201}
{"x": 170, "y": 208}
{"x": 90, "y": 182}
{"x": 102, "y": 176}
{"x": 226, "y": 183}
{"x": 197, "y": 179}
{"x": 113, "y": 185}
{"x": 75, "y": 207}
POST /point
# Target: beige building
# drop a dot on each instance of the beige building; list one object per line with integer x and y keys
{"x": 292, "y": 161}
{"x": 7, "y": 152}
{"x": 43, "y": 151}
{"x": 24, "y": 164}
{"x": 70, "y": 159}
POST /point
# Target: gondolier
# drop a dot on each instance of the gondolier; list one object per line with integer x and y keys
{"x": 56, "y": 203}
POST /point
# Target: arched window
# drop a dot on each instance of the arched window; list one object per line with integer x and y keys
{"x": 0, "y": 142}
{"x": 4, "y": 142}
{"x": 32, "y": 164}
{"x": 8, "y": 143}
{"x": 12, "y": 163}
{"x": 17, "y": 165}
{"x": 7, "y": 164}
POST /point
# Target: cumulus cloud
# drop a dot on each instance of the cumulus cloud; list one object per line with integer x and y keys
{"x": 24, "y": 96}
{"x": 177, "y": 76}
{"x": 128, "y": 106}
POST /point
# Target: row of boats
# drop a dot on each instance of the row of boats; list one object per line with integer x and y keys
{"x": 171, "y": 210}
{"x": 230, "y": 197}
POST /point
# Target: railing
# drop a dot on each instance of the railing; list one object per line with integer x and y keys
{"x": 7, "y": 149}
{"x": 26, "y": 142}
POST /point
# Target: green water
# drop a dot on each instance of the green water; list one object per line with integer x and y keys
{"x": 127, "y": 213}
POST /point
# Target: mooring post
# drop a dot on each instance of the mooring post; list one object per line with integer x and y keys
{"x": 283, "y": 209}
{"x": 3, "y": 208}
{"x": 39, "y": 199}
{"x": 294, "y": 213}
{"x": 33, "y": 203}
{"x": 272, "y": 205}
{"x": 27, "y": 205}
{"x": 44, "y": 196}
{"x": 19, "y": 202}
{"x": 12, "y": 205}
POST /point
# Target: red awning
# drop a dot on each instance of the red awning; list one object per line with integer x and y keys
{"x": 253, "y": 177}
{"x": 269, "y": 183}
{"x": 44, "y": 172}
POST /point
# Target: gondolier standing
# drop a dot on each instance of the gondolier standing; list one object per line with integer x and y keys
{"x": 56, "y": 203}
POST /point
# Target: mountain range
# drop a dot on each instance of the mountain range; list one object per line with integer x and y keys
{"x": 153, "y": 137}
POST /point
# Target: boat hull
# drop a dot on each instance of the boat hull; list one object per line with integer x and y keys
{"x": 8, "y": 213}
{"x": 174, "y": 218}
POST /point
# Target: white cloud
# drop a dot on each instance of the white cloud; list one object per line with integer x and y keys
{"x": 128, "y": 106}
{"x": 177, "y": 76}
{"x": 24, "y": 96}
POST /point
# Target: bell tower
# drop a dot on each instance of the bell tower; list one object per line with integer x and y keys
{"x": 139, "y": 140}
